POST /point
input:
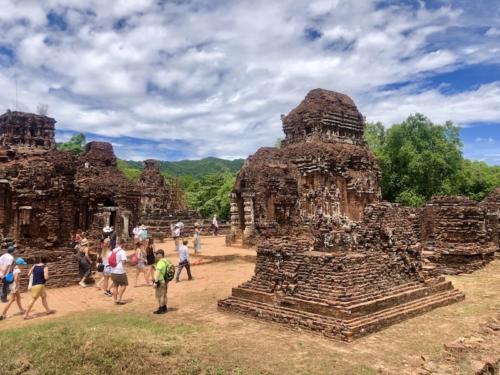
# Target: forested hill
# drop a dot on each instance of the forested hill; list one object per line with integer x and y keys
{"x": 195, "y": 168}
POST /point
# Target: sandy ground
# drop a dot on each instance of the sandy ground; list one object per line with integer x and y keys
{"x": 397, "y": 349}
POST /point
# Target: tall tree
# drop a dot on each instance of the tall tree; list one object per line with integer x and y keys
{"x": 420, "y": 159}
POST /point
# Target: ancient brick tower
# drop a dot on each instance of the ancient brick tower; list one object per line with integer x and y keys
{"x": 330, "y": 257}
{"x": 158, "y": 199}
{"x": 37, "y": 194}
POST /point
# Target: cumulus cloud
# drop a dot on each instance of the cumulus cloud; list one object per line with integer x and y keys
{"x": 212, "y": 77}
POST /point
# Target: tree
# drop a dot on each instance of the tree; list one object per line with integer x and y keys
{"x": 374, "y": 135}
{"x": 76, "y": 144}
{"x": 418, "y": 159}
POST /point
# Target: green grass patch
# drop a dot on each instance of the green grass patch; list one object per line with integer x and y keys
{"x": 98, "y": 344}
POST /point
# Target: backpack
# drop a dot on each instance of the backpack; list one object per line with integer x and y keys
{"x": 169, "y": 272}
{"x": 112, "y": 259}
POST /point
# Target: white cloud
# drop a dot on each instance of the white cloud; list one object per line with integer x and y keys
{"x": 218, "y": 74}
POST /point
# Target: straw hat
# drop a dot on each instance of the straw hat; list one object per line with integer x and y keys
{"x": 84, "y": 242}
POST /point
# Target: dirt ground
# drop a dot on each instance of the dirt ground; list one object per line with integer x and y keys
{"x": 267, "y": 348}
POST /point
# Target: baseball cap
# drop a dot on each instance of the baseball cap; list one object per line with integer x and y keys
{"x": 21, "y": 262}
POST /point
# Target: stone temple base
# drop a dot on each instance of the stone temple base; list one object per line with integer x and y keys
{"x": 343, "y": 304}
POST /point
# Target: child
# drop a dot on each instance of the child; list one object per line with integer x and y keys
{"x": 14, "y": 289}
{"x": 184, "y": 261}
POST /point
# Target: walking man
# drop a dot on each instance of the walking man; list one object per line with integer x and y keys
{"x": 162, "y": 276}
{"x": 117, "y": 261}
{"x": 184, "y": 261}
{"x": 6, "y": 266}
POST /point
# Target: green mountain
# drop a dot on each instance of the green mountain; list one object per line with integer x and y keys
{"x": 193, "y": 168}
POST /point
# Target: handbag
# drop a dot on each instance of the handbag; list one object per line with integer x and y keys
{"x": 9, "y": 278}
{"x": 100, "y": 267}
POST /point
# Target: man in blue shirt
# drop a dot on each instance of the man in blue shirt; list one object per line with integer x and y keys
{"x": 183, "y": 261}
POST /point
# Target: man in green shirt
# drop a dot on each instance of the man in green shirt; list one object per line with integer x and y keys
{"x": 161, "y": 281}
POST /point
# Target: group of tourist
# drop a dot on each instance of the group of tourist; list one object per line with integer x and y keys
{"x": 111, "y": 259}
{"x": 10, "y": 275}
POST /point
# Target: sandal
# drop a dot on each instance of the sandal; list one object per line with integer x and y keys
{"x": 50, "y": 312}
{"x": 120, "y": 302}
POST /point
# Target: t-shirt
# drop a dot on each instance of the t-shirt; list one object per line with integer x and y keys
{"x": 177, "y": 232}
{"x": 6, "y": 261}
{"x": 214, "y": 222}
{"x": 143, "y": 234}
{"x": 121, "y": 257}
{"x": 161, "y": 266}
{"x": 183, "y": 254}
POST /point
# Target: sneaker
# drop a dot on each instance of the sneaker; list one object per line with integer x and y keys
{"x": 161, "y": 310}
{"x": 107, "y": 293}
{"x": 83, "y": 285}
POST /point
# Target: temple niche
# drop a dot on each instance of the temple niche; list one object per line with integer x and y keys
{"x": 331, "y": 257}
{"x": 106, "y": 196}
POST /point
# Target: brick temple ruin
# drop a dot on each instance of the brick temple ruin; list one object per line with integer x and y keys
{"x": 162, "y": 202}
{"x": 331, "y": 258}
{"x": 37, "y": 194}
{"x": 45, "y": 194}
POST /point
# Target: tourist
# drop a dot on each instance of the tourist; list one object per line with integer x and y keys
{"x": 118, "y": 273}
{"x": 161, "y": 279}
{"x": 84, "y": 262}
{"x": 135, "y": 232}
{"x": 77, "y": 239}
{"x": 143, "y": 237}
{"x": 184, "y": 261}
{"x": 6, "y": 266}
{"x": 177, "y": 236}
{"x": 140, "y": 257}
{"x": 197, "y": 238}
{"x": 215, "y": 226}
{"x": 106, "y": 269}
{"x": 150, "y": 258}
{"x": 40, "y": 273}
{"x": 15, "y": 293}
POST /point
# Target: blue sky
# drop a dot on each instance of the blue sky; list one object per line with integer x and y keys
{"x": 189, "y": 79}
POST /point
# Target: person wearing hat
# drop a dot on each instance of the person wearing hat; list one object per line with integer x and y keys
{"x": 6, "y": 266}
{"x": 84, "y": 262}
{"x": 177, "y": 236}
{"x": 161, "y": 280}
{"x": 197, "y": 238}
{"x": 15, "y": 293}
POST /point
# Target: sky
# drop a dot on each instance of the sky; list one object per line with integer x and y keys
{"x": 188, "y": 79}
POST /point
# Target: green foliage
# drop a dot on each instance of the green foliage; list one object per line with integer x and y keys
{"x": 76, "y": 144}
{"x": 374, "y": 135}
{"x": 477, "y": 179}
{"x": 195, "y": 168}
{"x": 210, "y": 194}
{"x": 420, "y": 159}
{"x": 131, "y": 173}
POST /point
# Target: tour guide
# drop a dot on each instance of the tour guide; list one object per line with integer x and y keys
{"x": 163, "y": 274}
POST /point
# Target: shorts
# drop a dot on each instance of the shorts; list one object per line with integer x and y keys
{"x": 140, "y": 264}
{"x": 13, "y": 287}
{"x": 107, "y": 271}
{"x": 119, "y": 279}
{"x": 38, "y": 291}
{"x": 161, "y": 290}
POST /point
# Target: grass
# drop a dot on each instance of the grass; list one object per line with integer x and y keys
{"x": 98, "y": 344}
